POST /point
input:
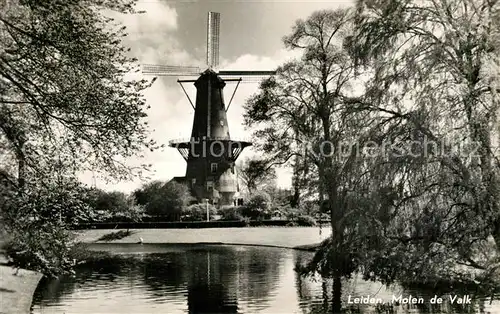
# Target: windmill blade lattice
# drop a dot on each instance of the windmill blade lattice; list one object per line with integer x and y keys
{"x": 170, "y": 70}
{"x": 213, "y": 35}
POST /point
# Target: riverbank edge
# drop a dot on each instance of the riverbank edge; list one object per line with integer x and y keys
{"x": 17, "y": 291}
{"x": 307, "y": 247}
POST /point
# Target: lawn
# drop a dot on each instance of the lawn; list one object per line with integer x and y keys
{"x": 289, "y": 237}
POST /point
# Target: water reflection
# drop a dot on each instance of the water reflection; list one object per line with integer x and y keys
{"x": 216, "y": 279}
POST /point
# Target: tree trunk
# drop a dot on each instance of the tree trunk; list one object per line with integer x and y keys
{"x": 336, "y": 295}
{"x": 324, "y": 290}
{"x": 21, "y": 173}
{"x": 337, "y": 239}
{"x": 21, "y": 166}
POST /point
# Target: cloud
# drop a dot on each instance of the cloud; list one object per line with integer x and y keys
{"x": 152, "y": 34}
{"x": 158, "y": 16}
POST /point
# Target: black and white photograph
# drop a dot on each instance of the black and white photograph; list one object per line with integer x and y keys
{"x": 259, "y": 156}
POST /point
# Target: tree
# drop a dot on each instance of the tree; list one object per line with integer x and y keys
{"x": 302, "y": 111}
{"x": 147, "y": 192}
{"x": 258, "y": 206}
{"x": 304, "y": 181}
{"x": 256, "y": 174}
{"x": 65, "y": 97}
{"x": 164, "y": 199}
{"x": 67, "y": 104}
{"x": 132, "y": 213}
{"x": 436, "y": 83}
{"x": 112, "y": 202}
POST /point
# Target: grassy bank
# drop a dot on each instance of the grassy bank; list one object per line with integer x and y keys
{"x": 290, "y": 237}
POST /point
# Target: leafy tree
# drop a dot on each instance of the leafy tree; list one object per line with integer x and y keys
{"x": 65, "y": 95}
{"x": 67, "y": 104}
{"x": 302, "y": 111}
{"x": 256, "y": 174}
{"x": 258, "y": 206}
{"x": 436, "y": 74}
{"x": 164, "y": 199}
{"x": 132, "y": 213}
{"x": 147, "y": 192}
{"x": 232, "y": 213}
{"x": 260, "y": 200}
{"x": 112, "y": 202}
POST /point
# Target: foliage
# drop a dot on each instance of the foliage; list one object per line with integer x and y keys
{"x": 258, "y": 206}
{"x": 37, "y": 223}
{"x": 107, "y": 202}
{"x": 164, "y": 199}
{"x": 418, "y": 82}
{"x": 304, "y": 111}
{"x": 198, "y": 212}
{"x": 256, "y": 174}
{"x": 289, "y": 211}
{"x": 67, "y": 104}
{"x": 260, "y": 200}
{"x": 132, "y": 213}
{"x": 310, "y": 207}
{"x": 435, "y": 81}
{"x": 117, "y": 235}
{"x": 231, "y": 213}
{"x": 327, "y": 264}
{"x": 65, "y": 93}
{"x": 306, "y": 220}
{"x": 279, "y": 196}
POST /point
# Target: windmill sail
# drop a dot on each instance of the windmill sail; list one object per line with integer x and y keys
{"x": 213, "y": 35}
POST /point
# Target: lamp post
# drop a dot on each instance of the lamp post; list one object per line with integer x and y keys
{"x": 208, "y": 213}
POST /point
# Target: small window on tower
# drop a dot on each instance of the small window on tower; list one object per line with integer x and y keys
{"x": 193, "y": 181}
{"x": 213, "y": 167}
{"x": 221, "y": 123}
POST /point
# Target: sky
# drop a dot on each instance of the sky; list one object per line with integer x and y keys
{"x": 174, "y": 33}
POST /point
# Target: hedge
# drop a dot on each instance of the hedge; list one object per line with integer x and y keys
{"x": 184, "y": 224}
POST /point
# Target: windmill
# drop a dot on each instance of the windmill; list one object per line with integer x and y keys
{"x": 210, "y": 153}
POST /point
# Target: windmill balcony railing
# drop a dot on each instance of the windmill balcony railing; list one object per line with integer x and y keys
{"x": 198, "y": 140}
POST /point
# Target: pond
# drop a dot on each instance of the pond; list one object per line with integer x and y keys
{"x": 217, "y": 279}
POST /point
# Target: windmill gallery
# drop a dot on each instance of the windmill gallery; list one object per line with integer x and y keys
{"x": 210, "y": 152}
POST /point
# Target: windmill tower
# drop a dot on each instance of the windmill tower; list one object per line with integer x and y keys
{"x": 210, "y": 153}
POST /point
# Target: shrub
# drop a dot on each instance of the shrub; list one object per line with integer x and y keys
{"x": 44, "y": 250}
{"x": 232, "y": 213}
{"x": 258, "y": 206}
{"x": 305, "y": 220}
{"x": 289, "y": 212}
{"x": 37, "y": 223}
{"x": 260, "y": 200}
{"x": 116, "y": 235}
{"x": 198, "y": 212}
{"x": 246, "y": 220}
